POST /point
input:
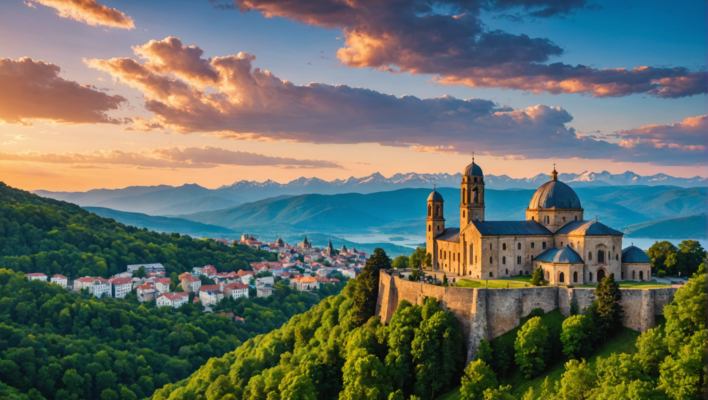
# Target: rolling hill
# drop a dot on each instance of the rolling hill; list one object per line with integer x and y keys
{"x": 162, "y": 224}
{"x": 694, "y": 227}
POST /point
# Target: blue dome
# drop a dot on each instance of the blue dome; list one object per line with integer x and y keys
{"x": 435, "y": 196}
{"x": 634, "y": 254}
{"x": 560, "y": 255}
{"x": 554, "y": 194}
{"x": 472, "y": 170}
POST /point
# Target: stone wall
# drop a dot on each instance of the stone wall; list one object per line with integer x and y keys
{"x": 489, "y": 313}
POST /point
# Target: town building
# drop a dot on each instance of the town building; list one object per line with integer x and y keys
{"x": 121, "y": 287}
{"x": 190, "y": 284}
{"x": 306, "y": 244}
{"x": 304, "y": 283}
{"x": 555, "y": 237}
{"x": 172, "y": 299}
{"x": 37, "y": 276}
{"x": 210, "y": 296}
{"x": 60, "y": 280}
{"x": 156, "y": 267}
{"x": 163, "y": 284}
{"x": 146, "y": 292}
{"x": 100, "y": 287}
{"x": 236, "y": 290}
{"x": 264, "y": 290}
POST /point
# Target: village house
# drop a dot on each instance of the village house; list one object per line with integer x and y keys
{"x": 266, "y": 280}
{"x": 210, "y": 295}
{"x": 157, "y": 267}
{"x": 304, "y": 283}
{"x": 264, "y": 290}
{"x": 163, "y": 285}
{"x": 37, "y": 276}
{"x": 208, "y": 271}
{"x": 81, "y": 283}
{"x": 146, "y": 292}
{"x": 175, "y": 299}
{"x": 236, "y": 290}
{"x": 123, "y": 275}
{"x": 60, "y": 280}
{"x": 100, "y": 287}
{"x": 121, "y": 287}
{"x": 190, "y": 284}
{"x": 156, "y": 274}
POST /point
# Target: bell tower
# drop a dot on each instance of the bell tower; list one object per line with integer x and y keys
{"x": 472, "y": 194}
{"x": 435, "y": 225}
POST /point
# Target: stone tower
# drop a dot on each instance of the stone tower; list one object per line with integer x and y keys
{"x": 472, "y": 195}
{"x": 435, "y": 224}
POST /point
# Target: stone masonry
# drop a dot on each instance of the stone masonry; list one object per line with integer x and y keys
{"x": 485, "y": 313}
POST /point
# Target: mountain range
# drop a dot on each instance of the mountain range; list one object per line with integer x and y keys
{"x": 190, "y": 198}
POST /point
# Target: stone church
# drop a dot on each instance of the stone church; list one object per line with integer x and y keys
{"x": 554, "y": 237}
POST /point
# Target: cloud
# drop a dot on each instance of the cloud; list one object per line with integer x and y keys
{"x": 172, "y": 157}
{"x": 89, "y": 12}
{"x": 246, "y": 103}
{"x": 691, "y": 133}
{"x": 457, "y": 48}
{"x": 33, "y": 90}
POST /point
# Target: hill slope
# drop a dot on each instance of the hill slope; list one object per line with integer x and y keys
{"x": 162, "y": 224}
{"x": 694, "y": 226}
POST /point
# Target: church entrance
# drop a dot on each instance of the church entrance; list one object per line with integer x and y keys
{"x": 600, "y": 274}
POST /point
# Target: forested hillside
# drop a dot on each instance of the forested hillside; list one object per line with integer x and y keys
{"x": 54, "y": 237}
{"x": 62, "y": 345}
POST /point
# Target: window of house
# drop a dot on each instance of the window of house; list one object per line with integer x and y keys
{"x": 591, "y": 277}
{"x": 518, "y": 246}
{"x": 532, "y": 244}
{"x": 504, "y": 246}
{"x": 576, "y": 217}
{"x": 491, "y": 260}
{"x": 507, "y": 271}
{"x": 518, "y": 259}
{"x": 490, "y": 246}
{"x": 600, "y": 256}
{"x": 589, "y": 255}
{"x": 503, "y": 260}
{"x": 463, "y": 213}
{"x": 543, "y": 246}
{"x": 491, "y": 275}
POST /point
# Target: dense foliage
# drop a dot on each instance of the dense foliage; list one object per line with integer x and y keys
{"x": 325, "y": 354}
{"x": 667, "y": 259}
{"x": 49, "y": 336}
{"x": 54, "y": 237}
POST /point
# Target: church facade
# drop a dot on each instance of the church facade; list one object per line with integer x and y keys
{"x": 555, "y": 237}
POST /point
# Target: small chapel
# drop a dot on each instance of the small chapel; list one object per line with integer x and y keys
{"x": 555, "y": 237}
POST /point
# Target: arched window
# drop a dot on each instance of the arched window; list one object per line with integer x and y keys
{"x": 429, "y": 210}
{"x": 575, "y": 277}
{"x": 471, "y": 252}
{"x": 437, "y": 210}
{"x": 507, "y": 271}
{"x": 563, "y": 219}
{"x": 503, "y": 260}
{"x": 617, "y": 257}
{"x": 543, "y": 245}
{"x": 634, "y": 274}
{"x": 589, "y": 255}
{"x": 600, "y": 256}
{"x": 561, "y": 278}
{"x": 561, "y": 244}
{"x": 591, "y": 277}
{"x": 475, "y": 259}
{"x": 475, "y": 196}
{"x": 622, "y": 275}
{"x": 518, "y": 259}
{"x": 490, "y": 246}
{"x": 533, "y": 245}
{"x": 609, "y": 257}
{"x": 491, "y": 275}
{"x": 533, "y": 218}
{"x": 518, "y": 246}
{"x": 453, "y": 256}
{"x": 504, "y": 246}
{"x": 576, "y": 217}
{"x": 475, "y": 179}
{"x": 491, "y": 260}
{"x": 439, "y": 228}
{"x": 641, "y": 275}
{"x": 464, "y": 196}
{"x": 429, "y": 228}
{"x": 463, "y": 213}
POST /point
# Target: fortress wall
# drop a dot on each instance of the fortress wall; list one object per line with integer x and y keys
{"x": 489, "y": 313}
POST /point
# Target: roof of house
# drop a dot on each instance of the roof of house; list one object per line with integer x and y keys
{"x": 85, "y": 279}
{"x": 121, "y": 281}
{"x": 235, "y": 286}
{"x": 560, "y": 255}
{"x": 305, "y": 279}
{"x": 164, "y": 281}
{"x": 174, "y": 296}
{"x": 60, "y": 276}
{"x": 509, "y": 228}
{"x": 450, "y": 235}
{"x": 587, "y": 228}
{"x": 205, "y": 288}
{"x": 209, "y": 268}
{"x": 242, "y": 272}
{"x": 190, "y": 278}
{"x": 634, "y": 254}
{"x": 146, "y": 287}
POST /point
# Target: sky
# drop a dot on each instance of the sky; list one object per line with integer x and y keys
{"x": 109, "y": 94}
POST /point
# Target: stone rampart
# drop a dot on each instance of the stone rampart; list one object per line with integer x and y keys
{"x": 486, "y": 313}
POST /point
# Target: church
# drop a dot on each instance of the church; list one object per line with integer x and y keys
{"x": 555, "y": 237}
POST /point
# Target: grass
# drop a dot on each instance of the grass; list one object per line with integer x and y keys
{"x": 633, "y": 285}
{"x": 492, "y": 283}
{"x": 624, "y": 342}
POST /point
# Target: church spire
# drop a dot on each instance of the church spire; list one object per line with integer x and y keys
{"x": 554, "y": 174}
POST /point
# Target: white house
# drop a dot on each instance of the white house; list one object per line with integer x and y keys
{"x": 163, "y": 284}
{"x": 175, "y": 299}
{"x": 146, "y": 292}
{"x": 121, "y": 287}
{"x": 148, "y": 267}
{"x": 60, "y": 280}
{"x": 211, "y": 296}
{"x": 190, "y": 283}
{"x": 82, "y": 283}
{"x": 264, "y": 290}
{"x": 236, "y": 290}
{"x": 266, "y": 280}
{"x": 100, "y": 287}
{"x": 37, "y": 276}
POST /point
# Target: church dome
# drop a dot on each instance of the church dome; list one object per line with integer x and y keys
{"x": 554, "y": 194}
{"x": 559, "y": 255}
{"x": 634, "y": 254}
{"x": 472, "y": 170}
{"x": 435, "y": 196}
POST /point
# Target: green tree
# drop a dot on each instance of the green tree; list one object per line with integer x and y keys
{"x": 367, "y": 286}
{"x": 651, "y": 351}
{"x": 576, "y": 337}
{"x": 418, "y": 258}
{"x": 400, "y": 262}
{"x": 219, "y": 388}
{"x": 658, "y": 253}
{"x": 109, "y": 394}
{"x": 537, "y": 277}
{"x": 364, "y": 377}
{"x": 529, "y": 345}
{"x": 127, "y": 394}
{"x": 607, "y": 310}
{"x": 399, "y": 360}
{"x": 577, "y": 382}
{"x": 691, "y": 254}
{"x": 477, "y": 378}
{"x": 140, "y": 273}
{"x": 500, "y": 393}
{"x": 485, "y": 352}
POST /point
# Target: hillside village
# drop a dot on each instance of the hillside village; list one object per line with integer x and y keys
{"x": 304, "y": 266}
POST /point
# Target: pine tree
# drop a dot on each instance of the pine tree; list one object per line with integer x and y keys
{"x": 607, "y": 308}
{"x": 537, "y": 277}
{"x": 367, "y": 286}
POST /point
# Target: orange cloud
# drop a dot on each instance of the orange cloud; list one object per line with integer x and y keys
{"x": 690, "y": 134}
{"x": 89, "y": 12}
{"x": 33, "y": 90}
{"x": 172, "y": 157}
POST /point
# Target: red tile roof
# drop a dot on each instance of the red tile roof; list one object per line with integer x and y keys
{"x": 190, "y": 278}
{"x": 60, "y": 276}
{"x": 234, "y": 286}
{"x": 85, "y": 279}
{"x": 121, "y": 281}
{"x": 204, "y": 288}
{"x": 174, "y": 296}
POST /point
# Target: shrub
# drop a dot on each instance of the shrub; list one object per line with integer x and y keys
{"x": 530, "y": 347}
